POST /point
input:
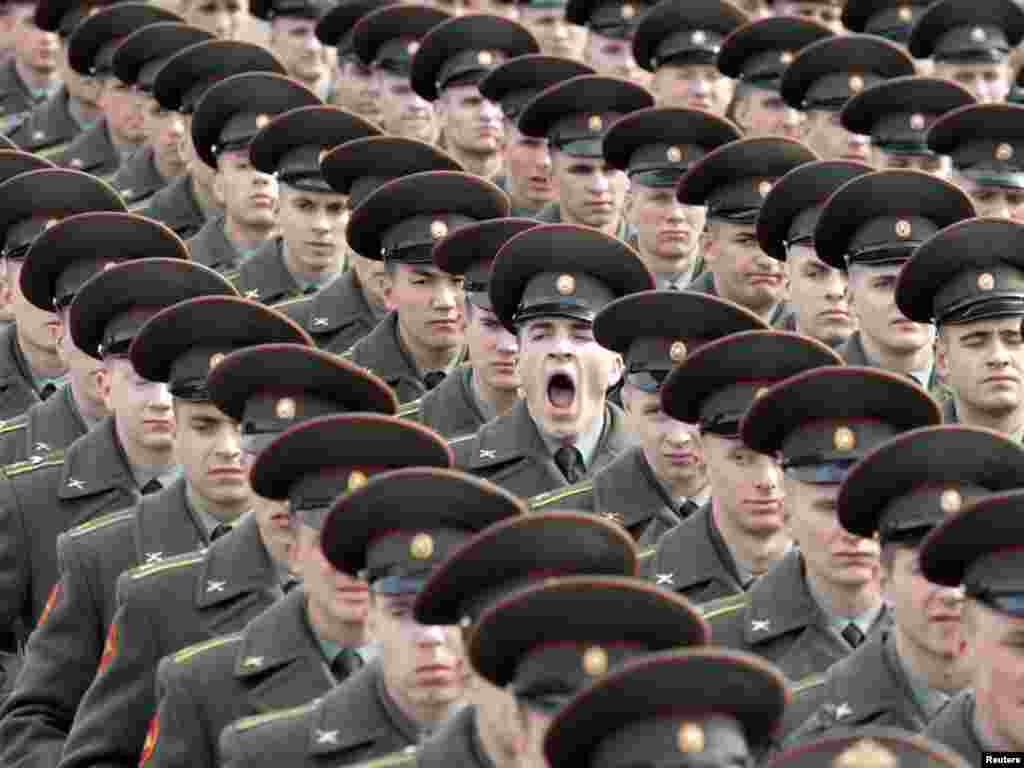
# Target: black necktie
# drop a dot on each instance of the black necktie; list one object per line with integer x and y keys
{"x": 47, "y": 389}
{"x": 152, "y": 486}
{"x": 687, "y": 508}
{"x": 345, "y": 664}
{"x": 570, "y": 461}
{"x": 433, "y": 378}
{"x": 851, "y": 633}
{"x": 221, "y": 529}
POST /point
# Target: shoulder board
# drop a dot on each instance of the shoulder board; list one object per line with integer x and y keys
{"x": 559, "y": 494}
{"x": 347, "y": 354}
{"x": 461, "y": 438}
{"x": 104, "y": 521}
{"x": 52, "y": 459}
{"x": 724, "y": 606}
{"x": 290, "y": 302}
{"x": 271, "y": 717}
{"x": 181, "y": 561}
{"x": 814, "y": 681}
{"x": 410, "y": 408}
{"x": 646, "y": 554}
{"x": 406, "y": 757}
{"x": 194, "y": 650}
{"x": 13, "y": 425}
{"x": 53, "y": 149}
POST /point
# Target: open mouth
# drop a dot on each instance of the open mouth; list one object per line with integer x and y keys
{"x": 561, "y": 391}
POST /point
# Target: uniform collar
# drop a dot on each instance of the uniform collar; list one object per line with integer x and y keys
{"x": 929, "y": 701}
{"x": 586, "y": 443}
{"x": 864, "y": 621}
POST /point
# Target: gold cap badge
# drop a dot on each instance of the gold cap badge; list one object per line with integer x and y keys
{"x": 903, "y": 229}
{"x": 917, "y": 122}
{"x": 905, "y": 13}
{"x": 320, "y": 157}
{"x": 595, "y": 661}
{"x": 699, "y": 37}
{"x": 356, "y": 479}
{"x": 485, "y": 58}
{"x": 856, "y": 83}
{"x": 978, "y": 35}
{"x": 438, "y": 229}
{"x": 215, "y": 359}
{"x": 595, "y": 123}
{"x": 262, "y": 120}
{"x": 422, "y": 546}
{"x": 565, "y": 285}
{"x": 412, "y": 47}
{"x": 285, "y": 408}
{"x": 628, "y": 11}
{"x": 764, "y": 188}
{"x": 690, "y": 738}
{"x": 844, "y": 439}
{"x": 866, "y": 753}
{"x": 51, "y": 223}
{"x": 1004, "y": 152}
{"x": 950, "y": 501}
{"x": 674, "y": 154}
{"x": 986, "y": 281}
{"x": 677, "y": 352}
{"x": 786, "y": 57}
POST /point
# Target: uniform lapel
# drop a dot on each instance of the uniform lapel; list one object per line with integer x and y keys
{"x": 264, "y": 276}
{"x": 165, "y": 526}
{"x": 351, "y": 716}
{"x": 16, "y": 393}
{"x": 278, "y": 659}
{"x": 95, "y": 467}
{"x": 340, "y": 310}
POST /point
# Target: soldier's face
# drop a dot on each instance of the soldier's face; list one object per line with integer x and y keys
{"x": 829, "y": 15}
{"x": 123, "y": 108}
{"x": 294, "y": 41}
{"x": 208, "y": 446}
{"x": 424, "y": 667}
{"x": 939, "y": 166}
{"x": 835, "y": 558}
{"x": 613, "y": 56}
{"x": 357, "y": 90}
{"x": 762, "y": 112}
{"x": 493, "y": 350}
{"x": 1001, "y": 202}
{"x": 36, "y": 327}
{"x": 84, "y": 371}
{"x": 35, "y": 49}
{"x": 338, "y": 602}
{"x": 988, "y": 82}
{"x": 747, "y": 488}
{"x": 528, "y": 164}
{"x": 221, "y": 18}
{"x": 672, "y": 448}
{"x": 692, "y": 86}
{"x": 668, "y": 232}
{"x": 826, "y": 136}
{"x": 374, "y": 280}
{"x": 471, "y": 123}
{"x": 873, "y": 300}
{"x": 403, "y": 112}
{"x": 983, "y": 363}
{"x": 565, "y": 374}
{"x": 164, "y": 131}
{"x": 85, "y": 89}
{"x": 429, "y": 304}
{"x": 819, "y": 296}
{"x": 249, "y": 196}
{"x": 995, "y": 651}
{"x": 313, "y": 228}
{"x": 926, "y": 614}
{"x": 590, "y": 191}
{"x": 743, "y": 272}
{"x": 142, "y": 408}
{"x": 554, "y": 34}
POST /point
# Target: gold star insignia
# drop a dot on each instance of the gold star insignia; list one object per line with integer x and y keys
{"x": 1004, "y": 152}
{"x": 595, "y": 123}
{"x": 786, "y": 57}
{"x": 412, "y": 47}
{"x": 262, "y": 121}
{"x": 595, "y": 661}
{"x": 856, "y": 83}
{"x": 422, "y": 546}
{"x": 905, "y": 13}
{"x": 285, "y": 408}
{"x": 485, "y": 58}
{"x": 917, "y": 122}
{"x": 699, "y": 37}
{"x": 903, "y": 229}
{"x": 438, "y": 229}
{"x": 674, "y": 154}
{"x": 356, "y": 479}
{"x": 764, "y": 188}
{"x": 565, "y": 285}
{"x": 690, "y": 738}
{"x": 950, "y": 501}
{"x": 844, "y": 439}
{"x": 677, "y": 352}
{"x": 986, "y": 281}
{"x": 215, "y": 359}
{"x": 978, "y": 35}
